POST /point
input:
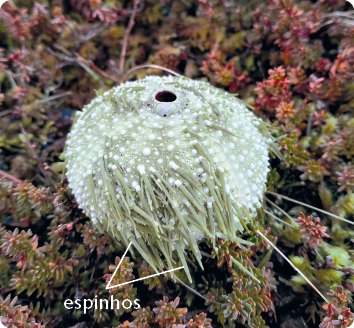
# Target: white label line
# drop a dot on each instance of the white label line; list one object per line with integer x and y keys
{"x": 129, "y": 282}
{"x": 115, "y": 271}
{"x": 153, "y": 275}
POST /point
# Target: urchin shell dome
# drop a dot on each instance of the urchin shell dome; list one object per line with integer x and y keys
{"x": 164, "y": 162}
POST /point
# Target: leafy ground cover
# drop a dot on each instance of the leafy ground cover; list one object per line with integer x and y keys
{"x": 292, "y": 61}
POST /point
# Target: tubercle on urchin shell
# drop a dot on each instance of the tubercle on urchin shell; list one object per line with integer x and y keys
{"x": 168, "y": 208}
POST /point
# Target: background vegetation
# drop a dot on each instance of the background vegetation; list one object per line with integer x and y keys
{"x": 292, "y": 61}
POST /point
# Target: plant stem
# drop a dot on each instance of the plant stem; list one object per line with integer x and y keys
{"x": 10, "y": 177}
{"x": 35, "y": 157}
{"x": 126, "y": 36}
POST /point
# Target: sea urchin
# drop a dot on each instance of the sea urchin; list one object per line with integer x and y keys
{"x": 165, "y": 162}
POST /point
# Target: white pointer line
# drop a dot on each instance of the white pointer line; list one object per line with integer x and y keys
{"x": 153, "y": 275}
{"x": 129, "y": 282}
{"x": 115, "y": 271}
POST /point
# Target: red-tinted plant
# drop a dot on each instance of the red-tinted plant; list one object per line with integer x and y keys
{"x": 123, "y": 274}
{"x": 337, "y": 317}
{"x": 312, "y": 230}
{"x": 272, "y": 91}
{"x": 313, "y": 171}
{"x": 346, "y": 178}
{"x": 167, "y": 313}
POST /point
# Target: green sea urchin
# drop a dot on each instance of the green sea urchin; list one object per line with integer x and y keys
{"x": 165, "y": 162}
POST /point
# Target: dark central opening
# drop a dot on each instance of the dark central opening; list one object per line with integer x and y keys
{"x": 165, "y": 96}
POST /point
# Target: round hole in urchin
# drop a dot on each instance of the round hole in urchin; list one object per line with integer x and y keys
{"x": 165, "y": 96}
